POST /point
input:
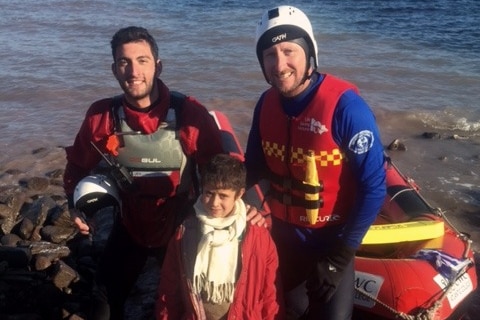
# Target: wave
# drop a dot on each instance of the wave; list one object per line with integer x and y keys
{"x": 451, "y": 121}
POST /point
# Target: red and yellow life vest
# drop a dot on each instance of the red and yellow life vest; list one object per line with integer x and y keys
{"x": 287, "y": 141}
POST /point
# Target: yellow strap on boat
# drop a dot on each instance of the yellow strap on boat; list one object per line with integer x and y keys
{"x": 402, "y": 232}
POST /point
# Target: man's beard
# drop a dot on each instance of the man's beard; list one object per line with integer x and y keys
{"x": 291, "y": 92}
{"x": 135, "y": 95}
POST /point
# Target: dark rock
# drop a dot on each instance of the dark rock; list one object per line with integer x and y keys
{"x": 7, "y": 219}
{"x": 39, "y": 210}
{"x": 15, "y": 257}
{"x": 5, "y": 211}
{"x": 6, "y": 192}
{"x": 39, "y": 184}
{"x": 61, "y": 217}
{"x": 56, "y": 182}
{"x": 10, "y": 240}
{"x": 43, "y": 261}
{"x": 16, "y": 200}
{"x": 47, "y": 269}
{"x": 44, "y": 247}
{"x": 36, "y": 233}
{"x": 55, "y": 174}
{"x": 397, "y": 145}
{"x": 60, "y": 199}
{"x": 64, "y": 275}
{"x": 45, "y": 254}
{"x": 39, "y": 150}
{"x": 26, "y": 228}
{"x": 9, "y": 210}
{"x": 57, "y": 234}
{"x": 42, "y": 273}
{"x": 431, "y": 135}
{"x": 14, "y": 172}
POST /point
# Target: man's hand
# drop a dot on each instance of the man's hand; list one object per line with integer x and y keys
{"x": 255, "y": 217}
{"x": 329, "y": 272}
{"x": 78, "y": 219}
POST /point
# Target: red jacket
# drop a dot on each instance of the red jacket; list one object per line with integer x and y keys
{"x": 257, "y": 293}
{"x": 150, "y": 220}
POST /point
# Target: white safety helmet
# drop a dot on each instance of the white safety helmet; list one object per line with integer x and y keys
{"x": 95, "y": 192}
{"x": 285, "y": 23}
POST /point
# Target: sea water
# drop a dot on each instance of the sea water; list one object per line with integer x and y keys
{"x": 417, "y": 63}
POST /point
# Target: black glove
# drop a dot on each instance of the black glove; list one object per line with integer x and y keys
{"x": 328, "y": 273}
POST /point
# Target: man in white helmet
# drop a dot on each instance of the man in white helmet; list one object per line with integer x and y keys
{"x": 306, "y": 112}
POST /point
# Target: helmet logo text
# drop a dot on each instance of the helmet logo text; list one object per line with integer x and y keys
{"x": 280, "y": 37}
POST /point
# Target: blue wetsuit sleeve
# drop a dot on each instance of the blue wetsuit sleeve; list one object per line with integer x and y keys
{"x": 254, "y": 158}
{"x": 356, "y": 132}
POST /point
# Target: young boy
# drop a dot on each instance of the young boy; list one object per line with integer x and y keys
{"x": 217, "y": 266}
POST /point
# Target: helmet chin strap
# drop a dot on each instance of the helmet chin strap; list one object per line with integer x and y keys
{"x": 307, "y": 75}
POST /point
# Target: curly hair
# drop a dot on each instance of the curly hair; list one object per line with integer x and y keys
{"x": 225, "y": 172}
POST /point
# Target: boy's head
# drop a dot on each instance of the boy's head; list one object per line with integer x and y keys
{"x": 223, "y": 182}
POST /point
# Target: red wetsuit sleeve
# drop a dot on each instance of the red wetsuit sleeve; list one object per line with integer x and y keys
{"x": 81, "y": 156}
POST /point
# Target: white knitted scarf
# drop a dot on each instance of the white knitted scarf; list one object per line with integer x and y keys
{"x": 217, "y": 253}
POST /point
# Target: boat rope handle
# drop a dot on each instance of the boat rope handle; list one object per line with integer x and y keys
{"x": 422, "y": 315}
{"x": 400, "y": 192}
{"x": 425, "y": 314}
{"x": 400, "y": 315}
{"x": 467, "y": 246}
{"x": 438, "y": 211}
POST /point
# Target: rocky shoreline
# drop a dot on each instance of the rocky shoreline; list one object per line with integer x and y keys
{"x": 46, "y": 268}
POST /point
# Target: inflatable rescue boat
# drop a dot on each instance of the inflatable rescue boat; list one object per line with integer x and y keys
{"x": 412, "y": 264}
